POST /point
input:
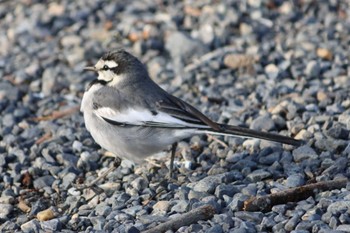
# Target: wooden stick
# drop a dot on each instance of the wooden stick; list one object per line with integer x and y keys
{"x": 201, "y": 213}
{"x": 57, "y": 114}
{"x": 208, "y": 56}
{"x": 265, "y": 203}
{"x": 43, "y": 138}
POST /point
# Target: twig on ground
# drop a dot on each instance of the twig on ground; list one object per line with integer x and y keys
{"x": 208, "y": 56}
{"x": 265, "y": 203}
{"x": 57, "y": 114}
{"x": 43, "y": 138}
{"x": 217, "y": 140}
{"x": 92, "y": 184}
{"x": 201, "y": 213}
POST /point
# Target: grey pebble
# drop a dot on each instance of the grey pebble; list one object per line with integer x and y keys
{"x": 304, "y": 152}
{"x": 263, "y": 123}
{"x": 68, "y": 180}
{"x": 51, "y": 225}
{"x": 339, "y": 206}
{"x": 208, "y": 184}
{"x": 133, "y": 210}
{"x": 181, "y": 206}
{"x": 225, "y": 189}
{"x": 292, "y": 222}
{"x": 312, "y": 69}
{"x": 295, "y": 180}
{"x": 255, "y": 217}
{"x": 343, "y": 228}
{"x": 44, "y": 181}
{"x": 215, "y": 229}
{"x": 6, "y": 210}
{"x": 31, "y": 226}
{"x": 258, "y": 175}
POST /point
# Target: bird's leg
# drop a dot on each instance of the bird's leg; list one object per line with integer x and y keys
{"x": 173, "y": 152}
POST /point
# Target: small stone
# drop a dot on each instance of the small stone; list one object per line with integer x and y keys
{"x": 235, "y": 157}
{"x": 303, "y": 153}
{"x": 6, "y": 210}
{"x": 196, "y": 195}
{"x": 338, "y": 132}
{"x": 324, "y": 53}
{"x": 77, "y": 146}
{"x": 295, "y": 180}
{"x": 263, "y": 123}
{"x": 312, "y": 69}
{"x": 55, "y": 9}
{"x": 235, "y": 61}
{"x": 103, "y": 209}
{"x": 68, "y": 180}
{"x": 215, "y": 229}
{"x": 52, "y": 225}
{"x": 7, "y": 200}
{"x": 161, "y": 206}
{"x": 139, "y": 184}
{"x": 44, "y": 181}
{"x": 225, "y": 189}
{"x": 48, "y": 81}
{"x": 245, "y": 29}
{"x": 343, "y": 228}
{"x": 258, "y": 175}
{"x": 303, "y": 134}
{"x": 338, "y": 207}
{"x": 98, "y": 222}
{"x": 45, "y": 215}
{"x": 180, "y": 207}
{"x": 250, "y": 216}
{"x": 292, "y": 222}
{"x": 133, "y": 210}
{"x": 208, "y": 184}
{"x": 272, "y": 71}
{"x": 22, "y": 205}
{"x": 31, "y": 226}
{"x": 237, "y": 202}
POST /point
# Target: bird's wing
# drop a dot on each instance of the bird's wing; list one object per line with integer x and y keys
{"x": 167, "y": 112}
{"x": 183, "y": 111}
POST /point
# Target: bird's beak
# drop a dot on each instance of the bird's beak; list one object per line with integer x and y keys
{"x": 90, "y": 68}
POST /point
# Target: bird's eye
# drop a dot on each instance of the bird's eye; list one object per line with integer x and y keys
{"x": 105, "y": 67}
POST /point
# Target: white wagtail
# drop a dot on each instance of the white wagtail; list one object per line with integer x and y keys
{"x": 128, "y": 114}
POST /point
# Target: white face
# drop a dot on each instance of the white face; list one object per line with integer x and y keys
{"x": 104, "y": 69}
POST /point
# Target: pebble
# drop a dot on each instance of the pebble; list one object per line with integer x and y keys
{"x": 43, "y": 182}
{"x": 258, "y": 175}
{"x": 181, "y": 206}
{"x": 208, "y": 184}
{"x": 295, "y": 180}
{"x": 272, "y": 71}
{"x": 312, "y": 69}
{"x": 6, "y": 210}
{"x": 161, "y": 206}
{"x": 263, "y": 123}
{"x": 304, "y": 152}
{"x": 31, "y": 226}
{"x": 51, "y": 225}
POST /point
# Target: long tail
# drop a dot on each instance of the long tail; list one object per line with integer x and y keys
{"x": 249, "y": 133}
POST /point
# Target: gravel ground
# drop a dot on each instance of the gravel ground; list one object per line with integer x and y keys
{"x": 269, "y": 65}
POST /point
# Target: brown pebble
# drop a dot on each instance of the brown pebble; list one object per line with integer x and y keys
{"x": 236, "y": 61}
{"x": 324, "y": 53}
{"x": 23, "y": 206}
{"x": 45, "y": 215}
{"x": 321, "y": 96}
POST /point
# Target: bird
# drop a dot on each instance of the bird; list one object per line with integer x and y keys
{"x": 131, "y": 116}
